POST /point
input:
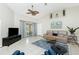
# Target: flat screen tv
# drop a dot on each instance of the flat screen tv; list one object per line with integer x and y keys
{"x": 13, "y": 31}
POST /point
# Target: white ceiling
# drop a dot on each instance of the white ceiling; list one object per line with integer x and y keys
{"x": 21, "y": 8}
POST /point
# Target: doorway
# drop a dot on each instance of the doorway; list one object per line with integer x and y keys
{"x": 28, "y": 29}
{"x": 0, "y": 35}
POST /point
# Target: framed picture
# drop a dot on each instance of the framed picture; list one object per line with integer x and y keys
{"x": 56, "y": 24}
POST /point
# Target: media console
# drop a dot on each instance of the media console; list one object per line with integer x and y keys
{"x": 10, "y": 40}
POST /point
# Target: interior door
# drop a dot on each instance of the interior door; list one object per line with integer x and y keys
{"x": 0, "y": 35}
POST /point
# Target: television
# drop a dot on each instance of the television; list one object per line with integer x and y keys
{"x": 12, "y": 31}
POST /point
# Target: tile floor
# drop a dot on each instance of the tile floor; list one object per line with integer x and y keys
{"x": 25, "y": 45}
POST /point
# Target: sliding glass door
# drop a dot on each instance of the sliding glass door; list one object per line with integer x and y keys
{"x": 27, "y": 29}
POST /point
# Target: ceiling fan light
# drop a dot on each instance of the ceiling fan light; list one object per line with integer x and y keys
{"x": 33, "y": 14}
{"x": 31, "y": 11}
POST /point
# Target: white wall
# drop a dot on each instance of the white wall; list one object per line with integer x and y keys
{"x": 7, "y": 19}
{"x": 71, "y": 19}
{"x": 25, "y": 18}
{"x": 39, "y": 29}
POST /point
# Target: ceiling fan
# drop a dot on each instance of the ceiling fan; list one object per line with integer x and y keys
{"x": 33, "y": 12}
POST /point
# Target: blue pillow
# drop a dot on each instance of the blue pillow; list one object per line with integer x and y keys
{"x": 51, "y": 52}
{"x": 22, "y": 53}
{"x": 17, "y": 52}
{"x": 46, "y": 53}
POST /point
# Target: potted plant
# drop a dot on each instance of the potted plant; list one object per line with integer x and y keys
{"x": 72, "y": 30}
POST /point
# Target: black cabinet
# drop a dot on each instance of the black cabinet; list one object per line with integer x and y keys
{"x": 10, "y": 40}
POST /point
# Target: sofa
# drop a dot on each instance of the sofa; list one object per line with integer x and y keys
{"x": 56, "y": 35}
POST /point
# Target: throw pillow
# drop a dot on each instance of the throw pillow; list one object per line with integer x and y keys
{"x": 55, "y": 34}
{"x": 17, "y": 52}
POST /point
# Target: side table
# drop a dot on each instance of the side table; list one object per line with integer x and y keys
{"x": 73, "y": 39}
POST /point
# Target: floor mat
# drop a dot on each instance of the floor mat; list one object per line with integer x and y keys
{"x": 42, "y": 44}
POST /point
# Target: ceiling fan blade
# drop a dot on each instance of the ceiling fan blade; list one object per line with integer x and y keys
{"x": 28, "y": 13}
{"x": 36, "y": 12}
{"x": 33, "y": 14}
{"x": 30, "y": 10}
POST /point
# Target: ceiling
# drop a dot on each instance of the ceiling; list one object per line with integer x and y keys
{"x": 21, "y": 8}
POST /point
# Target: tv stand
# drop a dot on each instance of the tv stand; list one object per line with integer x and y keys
{"x": 10, "y": 40}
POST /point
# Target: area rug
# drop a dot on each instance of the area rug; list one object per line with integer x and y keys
{"x": 42, "y": 44}
{"x": 45, "y": 45}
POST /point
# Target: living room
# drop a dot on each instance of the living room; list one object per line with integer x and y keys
{"x": 32, "y": 27}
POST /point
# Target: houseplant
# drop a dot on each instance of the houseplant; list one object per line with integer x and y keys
{"x": 72, "y": 30}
